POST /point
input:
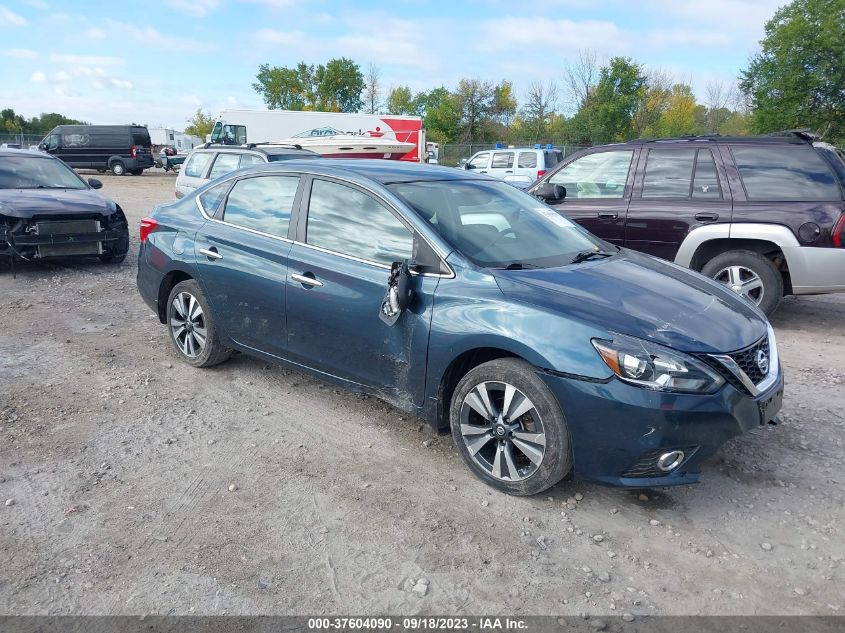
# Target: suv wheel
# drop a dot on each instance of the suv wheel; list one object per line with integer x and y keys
{"x": 192, "y": 328}
{"x": 118, "y": 168}
{"x": 750, "y": 275}
{"x": 509, "y": 428}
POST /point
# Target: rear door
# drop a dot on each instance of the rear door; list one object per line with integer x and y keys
{"x": 677, "y": 190}
{"x": 598, "y": 188}
{"x": 192, "y": 174}
{"x": 501, "y": 165}
{"x": 242, "y": 256}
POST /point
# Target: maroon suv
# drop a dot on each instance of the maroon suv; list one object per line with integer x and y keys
{"x": 764, "y": 215}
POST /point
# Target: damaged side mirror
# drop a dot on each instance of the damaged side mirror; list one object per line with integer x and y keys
{"x": 398, "y": 295}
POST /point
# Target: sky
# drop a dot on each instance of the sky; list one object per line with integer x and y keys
{"x": 156, "y": 62}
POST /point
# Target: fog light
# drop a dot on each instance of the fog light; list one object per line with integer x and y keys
{"x": 670, "y": 461}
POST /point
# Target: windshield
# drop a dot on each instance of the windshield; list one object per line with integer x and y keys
{"x": 35, "y": 172}
{"x": 496, "y": 225}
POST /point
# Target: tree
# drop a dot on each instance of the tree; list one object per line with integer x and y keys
{"x": 614, "y": 100}
{"x": 441, "y": 114}
{"x": 336, "y": 87}
{"x": 654, "y": 99}
{"x": 200, "y": 124}
{"x": 540, "y": 104}
{"x": 580, "y": 78}
{"x": 504, "y": 103}
{"x": 797, "y": 78}
{"x": 678, "y": 119}
{"x": 474, "y": 99}
{"x": 400, "y": 100}
{"x": 372, "y": 89}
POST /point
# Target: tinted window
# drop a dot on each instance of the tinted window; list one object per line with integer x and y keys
{"x": 196, "y": 164}
{"x": 262, "y": 204}
{"x": 668, "y": 173}
{"x": 706, "y": 183}
{"x": 480, "y": 161}
{"x": 599, "y": 175}
{"x": 349, "y": 221}
{"x": 223, "y": 164}
{"x": 785, "y": 173}
{"x": 211, "y": 198}
{"x": 503, "y": 160}
{"x": 527, "y": 159}
{"x": 142, "y": 138}
{"x": 553, "y": 158}
{"x": 277, "y": 157}
{"x": 250, "y": 159}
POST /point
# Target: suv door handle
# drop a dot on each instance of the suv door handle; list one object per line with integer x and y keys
{"x": 607, "y": 215}
{"x": 211, "y": 253}
{"x": 509, "y": 171}
{"x": 306, "y": 279}
{"x": 706, "y": 217}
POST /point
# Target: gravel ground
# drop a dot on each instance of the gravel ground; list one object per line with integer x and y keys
{"x": 136, "y": 484}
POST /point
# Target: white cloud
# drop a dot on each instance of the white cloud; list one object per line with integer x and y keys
{"x": 38, "y": 77}
{"x": 10, "y": 18}
{"x": 151, "y": 37}
{"x": 384, "y": 39}
{"x": 20, "y": 53}
{"x": 198, "y": 8}
{"x": 272, "y": 4}
{"x": 95, "y": 34}
{"x": 38, "y": 4}
{"x": 545, "y": 34}
{"x": 87, "y": 60}
{"x": 286, "y": 38}
{"x": 688, "y": 38}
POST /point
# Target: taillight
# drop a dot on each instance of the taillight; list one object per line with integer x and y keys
{"x": 838, "y": 234}
{"x": 134, "y": 151}
{"x": 147, "y": 227}
{"x": 541, "y": 173}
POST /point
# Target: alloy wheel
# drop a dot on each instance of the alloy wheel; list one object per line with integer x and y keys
{"x": 502, "y": 431}
{"x": 187, "y": 324}
{"x": 743, "y": 281}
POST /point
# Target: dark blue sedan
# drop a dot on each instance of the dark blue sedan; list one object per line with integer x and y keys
{"x": 471, "y": 304}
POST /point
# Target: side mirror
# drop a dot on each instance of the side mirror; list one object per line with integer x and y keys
{"x": 398, "y": 294}
{"x": 548, "y": 191}
{"x": 468, "y": 166}
{"x": 94, "y": 183}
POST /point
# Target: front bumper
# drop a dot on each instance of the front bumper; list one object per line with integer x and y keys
{"x": 616, "y": 428}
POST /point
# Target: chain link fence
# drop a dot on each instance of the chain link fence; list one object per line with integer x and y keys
{"x": 24, "y": 140}
{"x": 452, "y": 153}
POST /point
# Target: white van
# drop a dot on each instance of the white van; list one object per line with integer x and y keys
{"x": 519, "y": 166}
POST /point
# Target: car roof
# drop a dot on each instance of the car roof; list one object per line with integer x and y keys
{"x": 385, "y": 172}
{"x": 266, "y": 149}
{"x": 32, "y": 153}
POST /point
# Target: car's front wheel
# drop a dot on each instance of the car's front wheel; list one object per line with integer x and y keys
{"x": 509, "y": 427}
{"x": 750, "y": 275}
{"x": 192, "y": 328}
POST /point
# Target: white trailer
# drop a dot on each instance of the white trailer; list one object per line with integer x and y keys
{"x": 236, "y": 126}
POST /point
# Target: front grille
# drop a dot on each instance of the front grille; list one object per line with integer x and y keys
{"x": 646, "y": 465}
{"x": 746, "y": 359}
{"x": 61, "y": 248}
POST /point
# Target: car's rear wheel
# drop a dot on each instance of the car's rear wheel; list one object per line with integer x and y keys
{"x": 509, "y": 428}
{"x": 750, "y": 275}
{"x": 118, "y": 168}
{"x": 192, "y": 328}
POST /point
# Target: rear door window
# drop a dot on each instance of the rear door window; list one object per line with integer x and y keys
{"x": 527, "y": 160}
{"x": 250, "y": 159}
{"x": 668, "y": 173}
{"x": 196, "y": 164}
{"x": 598, "y": 175}
{"x": 210, "y": 198}
{"x": 262, "y": 204}
{"x": 223, "y": 164}
{"x": 502, "y": 160}
{"x": 785, "y": 173}
{"x": 705, "y": 185}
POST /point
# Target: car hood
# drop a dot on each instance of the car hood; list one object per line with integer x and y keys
{"x": 27, "y": 203}
{"x": 642, "y": 296}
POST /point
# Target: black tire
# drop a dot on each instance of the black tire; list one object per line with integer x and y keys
{"x": 118, "y": 168}
{"x": 771, "y": 290}
{"x": 556, "y": 459}
{"x": 213, "y": 352}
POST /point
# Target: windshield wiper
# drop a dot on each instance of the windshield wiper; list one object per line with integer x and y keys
{"x": 590, "y": 254}
{"x": 520, "y": 266}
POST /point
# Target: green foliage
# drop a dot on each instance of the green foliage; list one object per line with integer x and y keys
{"x": 400, "y": 100}
{"x": 797, "y": 78}
{"x": 335, "y": 87}
{"x": 12, "y": 123}
{"x": 200, "y": 124}
{"x": 615, "y": 99}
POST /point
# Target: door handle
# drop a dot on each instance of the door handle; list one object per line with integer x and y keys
{"x": 211, "y": 253}
{"x": 607, "y": 215}
{"x": 509, "y": 171}
{"x": 305, "y": 280}
{"x": 706, "y": 217}
{"x": 482, "y": 171}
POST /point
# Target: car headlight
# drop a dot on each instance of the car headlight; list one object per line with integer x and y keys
{"x": 653, "y": 366}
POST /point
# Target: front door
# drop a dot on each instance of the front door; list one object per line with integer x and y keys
{"x": 242, "y": 259}
{"x": 336, "y": 284}
{"x": 598, "y": 187}
{"x": 679, "y": 189}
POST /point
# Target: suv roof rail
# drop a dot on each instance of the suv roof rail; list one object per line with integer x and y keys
{"x": 787, "y": 136}
{"x": 805, "y": 134}
{"x": 274, "y": 144}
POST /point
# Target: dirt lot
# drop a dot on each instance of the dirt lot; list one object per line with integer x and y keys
{"x": 118, "y": 460}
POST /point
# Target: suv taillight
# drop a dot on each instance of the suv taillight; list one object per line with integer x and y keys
{"x": 838, "y": 234}
{"x": 147, "y": 227}
{"x": 541, "y": 173}
{"x": 134, "y": 151}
